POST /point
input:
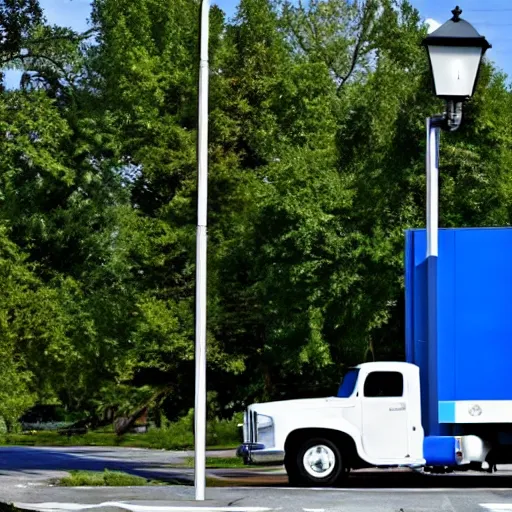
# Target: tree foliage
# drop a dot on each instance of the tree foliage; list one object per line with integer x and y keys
{"x": 316, "y": 151}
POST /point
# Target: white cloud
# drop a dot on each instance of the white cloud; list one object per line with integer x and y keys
{"x": 432, "y": 25}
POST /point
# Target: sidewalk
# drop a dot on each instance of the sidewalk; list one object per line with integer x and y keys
{"x": 181, "y": 499}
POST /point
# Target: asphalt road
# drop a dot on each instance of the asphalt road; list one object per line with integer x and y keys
{"x": 26, "y": 475}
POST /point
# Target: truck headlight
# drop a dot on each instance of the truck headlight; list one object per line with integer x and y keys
{"x": 265, "y": 426}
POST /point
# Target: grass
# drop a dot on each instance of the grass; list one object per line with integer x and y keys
{"x": 218, "y": 462}
{"x": 105, "y": 479}
{"x": 223, "y": 434}
{"x": 153, "y": 439}
{"x": 43, "y": 438}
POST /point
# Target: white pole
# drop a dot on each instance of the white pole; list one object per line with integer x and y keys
{"x": 202, "y": 194}
{"x": 432, "y": 164}
{"x": 432, "y": 187}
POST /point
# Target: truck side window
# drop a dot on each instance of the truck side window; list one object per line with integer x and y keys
{"x": 384, "y": 384}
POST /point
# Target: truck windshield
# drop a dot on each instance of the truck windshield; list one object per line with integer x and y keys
{"x": 348, "y": 383}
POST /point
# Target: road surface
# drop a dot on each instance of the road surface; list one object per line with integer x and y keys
{"x": 26, "y": 475}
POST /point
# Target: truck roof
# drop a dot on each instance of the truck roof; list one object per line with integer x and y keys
{"x": 386, "y": 365}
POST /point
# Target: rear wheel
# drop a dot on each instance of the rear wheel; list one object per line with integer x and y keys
{"x": 315, "y": 463}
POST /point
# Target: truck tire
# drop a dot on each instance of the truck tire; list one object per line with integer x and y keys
{"x": 315, "y": 463}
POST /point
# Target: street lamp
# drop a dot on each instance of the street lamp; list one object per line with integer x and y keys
{"x": 455, "y": 52}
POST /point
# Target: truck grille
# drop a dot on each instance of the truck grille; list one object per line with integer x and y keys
{"x": 251, "y": 422}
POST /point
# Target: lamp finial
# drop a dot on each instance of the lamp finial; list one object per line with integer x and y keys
{"x": 456, "y": 14}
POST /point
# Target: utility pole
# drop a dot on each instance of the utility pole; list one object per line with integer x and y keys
{"x": 202, "y": 199}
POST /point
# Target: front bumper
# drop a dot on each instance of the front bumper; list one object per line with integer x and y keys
{"x": 255, "y": 453}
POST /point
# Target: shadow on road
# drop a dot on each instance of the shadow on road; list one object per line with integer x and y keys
{"x": 33, "y": 460}
{"x": 378, "y": 480}
{"x": 27, "y": 461}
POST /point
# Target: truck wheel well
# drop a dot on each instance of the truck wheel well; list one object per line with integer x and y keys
{"x": 341, "y": 439}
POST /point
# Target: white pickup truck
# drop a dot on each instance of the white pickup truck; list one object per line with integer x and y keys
{"x": 374, "y": 421}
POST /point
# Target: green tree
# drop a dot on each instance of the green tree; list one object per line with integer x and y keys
{"x": 316, "y": 169}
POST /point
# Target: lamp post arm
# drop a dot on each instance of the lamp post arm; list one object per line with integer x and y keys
{"x": 449, "y": 120}
{"x": 453, "y": 114}
{"x": 437, "y": 121}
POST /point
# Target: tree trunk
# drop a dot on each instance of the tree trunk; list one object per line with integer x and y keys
{"x": 123, "y": 425}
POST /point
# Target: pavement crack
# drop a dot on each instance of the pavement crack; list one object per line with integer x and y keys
{"x": 231, "y": 503}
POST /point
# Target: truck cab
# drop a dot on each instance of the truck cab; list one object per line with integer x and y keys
{"x": 374, "y": 420}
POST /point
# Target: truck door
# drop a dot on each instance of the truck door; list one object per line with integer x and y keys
{"x": 384, "y": 416}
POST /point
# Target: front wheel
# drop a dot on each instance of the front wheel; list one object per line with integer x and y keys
{"x": 315, "y": 463}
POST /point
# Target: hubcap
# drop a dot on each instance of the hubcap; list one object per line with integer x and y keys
{"x": 319, "y": 461}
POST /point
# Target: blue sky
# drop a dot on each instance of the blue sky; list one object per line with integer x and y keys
{"x": 492, "y": 18}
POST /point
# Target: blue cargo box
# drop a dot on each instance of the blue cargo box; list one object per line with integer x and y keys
{"x": 474, "y": 322}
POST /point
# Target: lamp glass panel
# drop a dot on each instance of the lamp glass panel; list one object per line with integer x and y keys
{"x": 455, "y": 69}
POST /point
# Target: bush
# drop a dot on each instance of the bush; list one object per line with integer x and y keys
{"x": 178, "y": 435}
{"x": 173, "y": 436}
{"x": 224, "y": 432}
